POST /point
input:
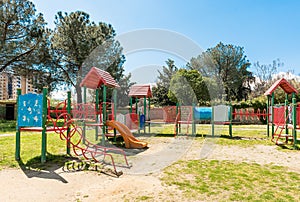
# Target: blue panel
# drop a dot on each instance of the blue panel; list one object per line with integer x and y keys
{"x": 142, "y": 121}
{"x": 30, "y": 110}
{"x": 202, "y": 113}
{"x": 205, "y": 113}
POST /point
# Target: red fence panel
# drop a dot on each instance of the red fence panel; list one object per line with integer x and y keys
{"x": 279, "y": 115}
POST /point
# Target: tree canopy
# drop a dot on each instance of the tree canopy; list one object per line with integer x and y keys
{"x": 160, "y": 92}
{"x": 228, "y": 67}
{"x": 187, "y": 87}
{"x": 22, "y": 34}
{"x": 64, "y": 56}
{"x": 80, "y": 44}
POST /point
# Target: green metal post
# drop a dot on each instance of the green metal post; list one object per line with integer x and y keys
{"x": 268, "y": 117}
{"x": 294, "y": 102}
{"x": 180, "y": 115}
{"x": 145, "y": 106}
{"x": 145, "y": 112}
{"x": 149, "y": 107}
{"x": 178, "y": 110}
{"x": 230, "y": 120}
{"x": 44, "y": 134}
{"x": 115, "y": 113}
{"x": 130, "y": 105}
{"x": 212, "y": 121}
{"x": 139, "y": 121}
{"x": 84, "y": 124}
{"x": 68, "y": 130}
{"x": 177, "y": 125}
{"x": 97, "y": 110}
{"x": 18, "y": 132}
{"x": 104, "y": 115}
{"x": 286, "y": 104}
{"x": 193, "y": 121}
{"x": 136, "y": 105}
{"x": 272, "y": 108}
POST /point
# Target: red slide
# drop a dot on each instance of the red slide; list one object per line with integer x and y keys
{"x": 130, "y": 141}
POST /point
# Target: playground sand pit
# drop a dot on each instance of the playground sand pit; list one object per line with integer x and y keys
{"x": 141, "y": 181}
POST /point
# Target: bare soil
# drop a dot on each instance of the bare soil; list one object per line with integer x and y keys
{"x": 141, "y": 181}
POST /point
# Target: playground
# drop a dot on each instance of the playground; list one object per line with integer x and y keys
{"x": 51, "y": 182}
{"x": 90, "y": 151}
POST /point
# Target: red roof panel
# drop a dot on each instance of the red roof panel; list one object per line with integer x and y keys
{"x": 284, "y": 84}
{"x": 140, "y": 91}
{"x": 98, "y": 77}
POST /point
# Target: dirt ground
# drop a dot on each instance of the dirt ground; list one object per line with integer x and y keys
{"x": 139, "y": 182}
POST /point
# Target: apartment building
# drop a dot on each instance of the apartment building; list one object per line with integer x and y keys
{"x": 9, "y": 84}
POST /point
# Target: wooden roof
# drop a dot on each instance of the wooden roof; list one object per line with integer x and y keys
{"x": 98, "y": 77}
{"x": 140, "y": 90}
{"x": 284, "y": 84}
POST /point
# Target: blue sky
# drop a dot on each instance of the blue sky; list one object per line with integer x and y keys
{"x": 266, "y": 29}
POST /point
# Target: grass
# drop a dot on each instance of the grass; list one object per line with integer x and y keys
{"x": 243, "y": 135}
{"x": 198, "y": 179}
{"x": 7, "y": 126}
{"x": 31, "y": 142}
{"x": 31, "y": 150}
{"x": 229, "y": 181}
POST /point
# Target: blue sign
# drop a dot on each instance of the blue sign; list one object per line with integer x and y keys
{"x": 30, "y": 110}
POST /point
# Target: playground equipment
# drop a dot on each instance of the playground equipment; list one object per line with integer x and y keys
{"x": 96, "y": 79}
{"x": 284, "y": 118}
{"x": 192, "y": 115}
{"x": 35, "y": 115}
{"x": 129, "y": 139}
{"x": 140, "y": 92}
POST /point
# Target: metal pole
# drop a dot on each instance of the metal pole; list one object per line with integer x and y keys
{"x": 230, "y": 119}
{"x": 193, "y": 121}
{"x": 272, "y": 109}
{"x": 136, "y": 105}
{"x": 130, "y": 105}
{"x": 84, "y": 126}
{"x": 145, "y": 113}
{"x": 68, "y": 130}
{"x": 104, "y": 115}
{"x": 294, "y": 102}
{"x": 286, "y": 104}
{"x": 267, "y": 116}
{"x": 149, "y": 107}
{"x": 44, "y": 134}
{"x": 18, "y": 131}
{"x": 212, "y": 122}
{"x": 115, "y": 112}
{"x": 97, "y": 113}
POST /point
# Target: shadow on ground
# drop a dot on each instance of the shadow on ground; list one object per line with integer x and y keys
{"x": 47, "y": 170}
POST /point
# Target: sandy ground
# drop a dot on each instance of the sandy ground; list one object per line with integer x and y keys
{"x": 142, "y": 180}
